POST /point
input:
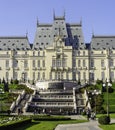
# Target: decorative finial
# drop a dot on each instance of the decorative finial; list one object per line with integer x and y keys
{"x": 26, "y": 33}
{"x": 37, "y": 22}
{"x": 92, "y": 32}
{"x": 54, "y": 14}
{"x": 81, "y": 21}
{"x": 64, "y": 14}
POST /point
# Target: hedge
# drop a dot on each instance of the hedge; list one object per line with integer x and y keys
{"x": 104, "y": 120}
{"x": 14, "y": 125}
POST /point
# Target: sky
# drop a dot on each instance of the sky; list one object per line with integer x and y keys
{"x": 18, "y": 17}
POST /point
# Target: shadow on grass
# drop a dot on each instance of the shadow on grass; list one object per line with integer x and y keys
{"x": 26, "y": 126}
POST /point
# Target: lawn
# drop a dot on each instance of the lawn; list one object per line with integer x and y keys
{"x": 47, "y": 125}
{"x": 108, "y": 127}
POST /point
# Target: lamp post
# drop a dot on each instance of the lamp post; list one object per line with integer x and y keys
{"x": 95, "y": 92}
{"x": 107, "y": 85}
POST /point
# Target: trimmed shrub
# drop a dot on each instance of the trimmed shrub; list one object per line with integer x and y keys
{"x": 15, "y": 125}
{"x": 50, "y": 118}
{"x": 104, "y": 120}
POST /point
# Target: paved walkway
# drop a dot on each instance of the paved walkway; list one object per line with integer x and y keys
{"x": 91, "y": 125}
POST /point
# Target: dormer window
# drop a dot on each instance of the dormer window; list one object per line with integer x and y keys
{"x": 22, "y": 44}
{"x": 13, "y": 44}
{"x": 107, "y": 43}
{"x": 4, "y": 44}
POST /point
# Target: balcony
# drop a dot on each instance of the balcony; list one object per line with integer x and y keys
{"x": 34, "y": 68}
{"x": 26, "y": 68}
{"x": 7, "y": 68}
{"x": 103, "y": 68}
{"x": 16, "y": 68}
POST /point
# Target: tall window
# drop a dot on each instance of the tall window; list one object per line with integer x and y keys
{"x": 25, "y": 64}
{"x": 7, "y": 63}
{"x": 92, "y": 63}
{"x": 33, "y": 75}
{"x": 112, "y": 75}
{"x": 38, "y": 53}
{"x": 38, "y": 75}
{"x": 74, "y": 63}
{"x": 91, "y": 76}
{"x": 84, "y": 75}
{"x": 84, "y": 63}
{"x": 26, "y": 76}
{"x": 15, "y": 75}
{"x": 50, "y": 75}
{"x": 103, "y": 75}
{"x": 43, "y": 63}
{"x": 38, "y": 63}
{"x": 79, "y": 63}
{"x": 7, "y": 75}
{"x": 64, "y": 62}
{"x": 43, "y": 75}
{"x": 34, "y": 63}
{"x": 58, "y": 63}
{"x": 111, "y": 62}
{"x": 102, "y": 63}
{"x": 53, "y": 63}
{"x": 67, "y": 76}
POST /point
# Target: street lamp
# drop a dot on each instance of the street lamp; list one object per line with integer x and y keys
{"x": 107, "y": 85}
{"x": 95, "y": 92}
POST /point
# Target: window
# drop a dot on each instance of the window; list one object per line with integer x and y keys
{"x": 67, "y": 75}
{"x": 43, "y": 63}
{"x": 38, "y": 75}
{"x": 83, "y": 53}
{"x": 91, "y": 75}
{"x": 33, "y": 53}
{"x": 7, "y": 75}
{"x": 103, "y": 75}
{"x": 43, "y": 53}
{"x": 33, "y": 75}
{"x": 15, "y": 75}
{"x": 53, "y": 63}
{"x": 92, "y": 63}
{"x": 38, "y": 53}
{"x": 38, "y": 63}
{"x": 25, "y": 63}
{"x": 62, "y": 75}
{"x": 64, "y": 63}
{"x": 112, "y": 75}
{"x": 50, "y": 76}
{"x": 102, "y": 63}
{"x": 43, "y": 75}
{"x": 84, "y": 75}
{"x": 58, "y": 63}
{"x": 79, "y": 63}
{"x": 33, "y": 63}
{"x": 7, "y": 63}
{"x": 84, "y": 63}
{"x": 111, "y": 63}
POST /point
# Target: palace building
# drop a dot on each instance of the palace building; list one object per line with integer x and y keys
{"x": 58, "y": 53}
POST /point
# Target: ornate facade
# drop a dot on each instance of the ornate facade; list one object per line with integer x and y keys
{"x": 57, "y": 53}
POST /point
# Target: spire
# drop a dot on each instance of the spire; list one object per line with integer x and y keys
{"x": 53, "y": 13}
{"x": 37, "y": 22}
{"x": 92, "y": 32}
{"x": 26, "y": 33}
{"x": 81, "y": 21}
{"x": 64, "y": 14}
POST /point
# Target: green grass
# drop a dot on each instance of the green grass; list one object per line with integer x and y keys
{"x": 108, "y": 127}
{"x": 47, "y": 125}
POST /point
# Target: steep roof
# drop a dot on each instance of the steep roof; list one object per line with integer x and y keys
{"x": 46, "y": 33}
{"x": 103, "y": 42}
{"x": 14, "y": 43}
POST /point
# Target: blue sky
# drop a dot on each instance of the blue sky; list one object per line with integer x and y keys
{"x": 19, "y": 16}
